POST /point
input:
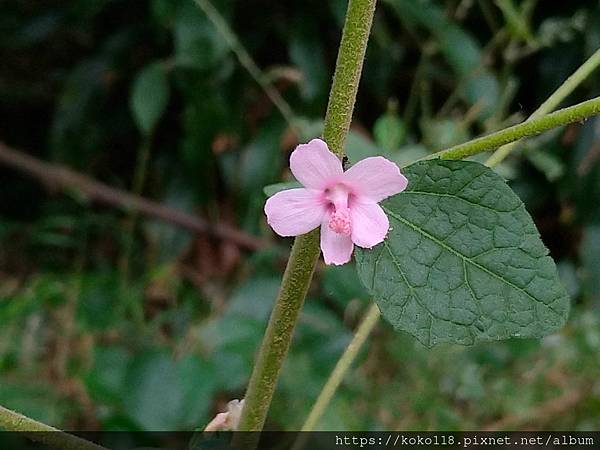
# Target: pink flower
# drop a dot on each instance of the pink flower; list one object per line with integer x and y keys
{"x": 344, "y": 204}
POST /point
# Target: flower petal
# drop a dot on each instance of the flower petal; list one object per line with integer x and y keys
{"x": 375, "y": 178}
{"x": 337, "y": 248}
{"x": 294, "y": 211}
{"x": 314, "y": 165}
{"x": 369, "y": 224}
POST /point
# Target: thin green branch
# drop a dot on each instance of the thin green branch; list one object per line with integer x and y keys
{"x": 39, "y": 432}
{"x": 247, "y": 62}
{"x": 337, "y": 376}
{"x": 305, "y": 251}
{"x": 137, "y": 188}
{"x": 553, "y": 101}
{"x": 576, "y": 113}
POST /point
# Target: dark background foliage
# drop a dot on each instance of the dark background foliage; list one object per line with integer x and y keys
{"x": 110, "y": 320}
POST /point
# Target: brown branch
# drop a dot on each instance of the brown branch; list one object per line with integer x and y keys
{"x": 55, "y": 176}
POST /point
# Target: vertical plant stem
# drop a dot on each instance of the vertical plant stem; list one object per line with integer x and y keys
{"x": 39, "y": 432}
{"x": 552, "y": 102}
{"x": 137, "y": 187}
{"x": 351, "y": 55}
{"x": 305, "y": 251}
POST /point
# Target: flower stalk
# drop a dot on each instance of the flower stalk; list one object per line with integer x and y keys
{"x": 305, "y": 250}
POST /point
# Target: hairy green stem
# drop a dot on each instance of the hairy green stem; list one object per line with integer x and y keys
{"x": 552, "y": 102}
{"x": 305, "y": 251}
{"x": 575, "y": 113}
{"x": 39, "y": 432}
{"x": 351, "y": 55}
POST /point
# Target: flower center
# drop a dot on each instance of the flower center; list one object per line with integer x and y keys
{"x": 339, "y": 221}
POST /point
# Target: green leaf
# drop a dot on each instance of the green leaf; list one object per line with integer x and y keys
{"x": 549, "y": 164}
{"x": 341, "y": 284}
{"x": 590, "y": 257}
{"x": 155, "y": 399}
{"x": 106, "y": 379}
{"x": 306, "y": 52}
{"x": 461, "y": 50}
{"x": 149, "y": 96}
{"x": 167, "y": 394}
{"x": 389, "y": 131}
{"x": 463, "y": 261}
{"x": 358, "y": 147}
{"x": 198, "y": 45}
{"x": 273, "y": 189}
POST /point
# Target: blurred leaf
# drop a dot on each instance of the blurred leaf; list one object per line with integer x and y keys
{"x": 562, "y": 29}
{"x": 551, "y": 166}
{"x": 260, "y": 165}
{"x": 341, "y": 283}
{"x": 106, "y": 381}
{"x": 358, "y": 147}
{"x": 463, "y": 261}
{"x": 261, "y": 159}
{"x": 170, "y": 240}
{"x": 408, "y": 154}
{"x": 460, "y": 48}
{"x": 310, "y": 129}
{"x": 389, "y": 131}
{"x": 166, "y": 395}
{"x": 306, "y": 52}
{"x": 101, "y": 301}
{"x": 72, "y": 131}
{"x": 590, "y": 255}
{"x": 39, "y": 29}
{"x": 198, "y": 44}
{"x": 199, "y": 383}
{"x": 38, "y": 401}
{"x": 483, "y": 91}
{"x": 234, "y": 337}
{"x": 444, "y": 133}
{"x": 462, "y": 51}
{"x": 149, "y": 96}
{"x": 155, "y": 398}
{"x": 164, "y": 11}
{"x": 320, "y": 338}
{"x": 567, "y": 273}
{"x": 273, "y": 189}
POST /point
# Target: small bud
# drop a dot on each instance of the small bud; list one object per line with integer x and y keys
{"x": 229, "y": 420}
